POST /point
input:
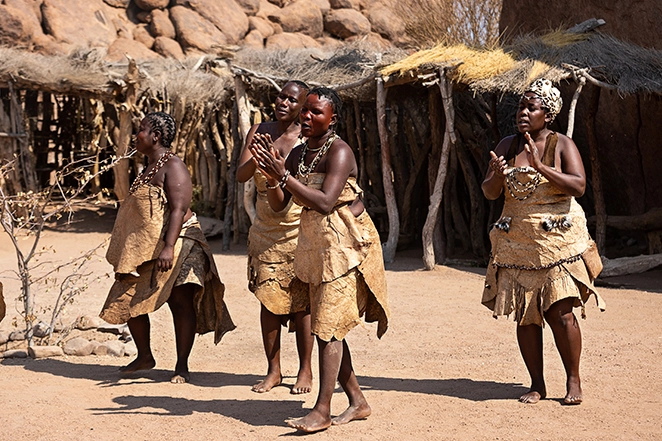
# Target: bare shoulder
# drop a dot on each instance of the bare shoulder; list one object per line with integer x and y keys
{"x": 176, "y": 166}
{"x": 269, "y": 127}
{"x": 565, "y": 143}
{"x": 339, "y": 146}
{"x": 502, "y": 147}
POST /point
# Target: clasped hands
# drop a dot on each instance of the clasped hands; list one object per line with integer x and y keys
{"x": 267, "y": 158}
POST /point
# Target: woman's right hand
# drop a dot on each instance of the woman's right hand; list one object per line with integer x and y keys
{"x": 498, "y": 164}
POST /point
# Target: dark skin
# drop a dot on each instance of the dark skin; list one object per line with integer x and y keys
{"x": 280, "y": 135}
{"x": 174, "y": 178}
{"x": 335, "y": 362}
{"x": 569, "y": 177}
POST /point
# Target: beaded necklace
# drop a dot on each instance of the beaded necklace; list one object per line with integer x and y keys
{"x": 304, "y": 170}
{"x": 143, "y": 178}
{"x": 518, "y": 189}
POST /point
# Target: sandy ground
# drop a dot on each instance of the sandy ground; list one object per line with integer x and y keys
{"x": 444, "y": 370}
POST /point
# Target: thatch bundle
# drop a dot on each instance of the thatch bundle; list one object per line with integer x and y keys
{"x": 630, "y": 69}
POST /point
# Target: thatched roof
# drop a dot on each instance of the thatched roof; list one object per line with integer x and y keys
{"x": 208, "y": 79}
{"x": 628, "y": 68}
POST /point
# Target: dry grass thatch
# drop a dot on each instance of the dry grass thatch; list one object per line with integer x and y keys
{"x": 206, "y": 79}
{"x": 629, "y": 68}
{"x": 209, "y": 79}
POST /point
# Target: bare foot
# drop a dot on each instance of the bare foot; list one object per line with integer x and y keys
{"x": 533, "y": 396}
{"x": 359, "y": 412}
{"x": 268, "y": 383}
{"x": 304, "y": 383}
{"x": 181, "y": 377}
{"x": 313, "y": 422}
{"x": 574, "y": 395}
{"x": 139, "y": 364}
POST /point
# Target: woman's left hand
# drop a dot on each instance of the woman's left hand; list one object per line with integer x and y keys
{"x": 532, "y": 153}
{"x": 164, "y": 261}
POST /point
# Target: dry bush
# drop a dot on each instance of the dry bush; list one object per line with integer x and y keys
{"x": 430, "y": 22}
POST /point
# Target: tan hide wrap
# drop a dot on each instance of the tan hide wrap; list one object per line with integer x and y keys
{"x": 139, "y": 229}
{"x": 532, "y": 265}
{"x": 331, "y": 246}
{"x": 272, "y": 240}
{"x": 131, "y": 296}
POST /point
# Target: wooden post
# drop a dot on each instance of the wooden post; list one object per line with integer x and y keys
{"x": 387, "y": 176}
{"x": 598, "y": 195}
{"x": 435, "y": 199}
{"x": 247, "y": 190}
{"x": 125, "y": 111}
{"x": 231, "y": 199}
{"x": 573, "y": 107}
{"x": 26, "y": 158}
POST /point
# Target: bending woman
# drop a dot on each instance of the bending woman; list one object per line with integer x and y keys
{"x": 338, "y": 254}
{"x": 271, "y": 242}
{"x": 543, "y": 261}
{"x": 160, "y": 255}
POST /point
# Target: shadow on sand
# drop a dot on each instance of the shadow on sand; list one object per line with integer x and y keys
{"x": 108, "y": 376}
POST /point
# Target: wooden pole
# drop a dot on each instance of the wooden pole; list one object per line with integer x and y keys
{"x": 391, "y": 244}
{"x": 125, "y": 111}
{"x": 598, "y": 195}
{"x": 573, "y": 106}
{"x": 244, "y": 108}
{"x": 27, "y": 159}
{"x": 435, "y": 199}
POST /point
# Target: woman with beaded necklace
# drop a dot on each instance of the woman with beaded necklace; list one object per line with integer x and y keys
{"x": 543, "y": 260}
{"x": 160, "y": 255}
{"x": 338, "y": 253}
{"x": 271, "y": 242}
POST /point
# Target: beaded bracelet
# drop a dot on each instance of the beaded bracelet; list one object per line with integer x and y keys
{"x": 283, "y": 180}
{"x": 281, "y": 183}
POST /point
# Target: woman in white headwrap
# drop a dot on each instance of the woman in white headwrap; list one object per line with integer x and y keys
{"x": 543, "y": 260}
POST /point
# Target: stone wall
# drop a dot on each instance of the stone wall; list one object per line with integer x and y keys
{"x": 147, "y": 29}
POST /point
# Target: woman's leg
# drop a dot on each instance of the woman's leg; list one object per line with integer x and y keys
{"x": 330, "y": 357}
{"x": 529, "y": 338}
{"x": 270, "y": 324}
{"x": 305, "y": 343}
{"x": 139, "y": 327}
{"x": 183, "y": 315}
{"x": 568, "y": 338}
{"x": 358, "y": 406}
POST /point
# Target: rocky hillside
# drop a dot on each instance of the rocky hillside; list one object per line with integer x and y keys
{"x": 147, "y": 29}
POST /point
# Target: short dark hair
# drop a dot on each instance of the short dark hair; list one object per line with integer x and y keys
{"x": 331, "y": 95}
{"x": 299, "y": 83}
{"x": 163, "y": 123}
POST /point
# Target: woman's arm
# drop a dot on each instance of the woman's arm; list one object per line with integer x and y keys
{"x": 179, "y": 191}
{"x": 492, "y": 185}
{"x": 570, "y": 178}
{"x": 246, "y": 168}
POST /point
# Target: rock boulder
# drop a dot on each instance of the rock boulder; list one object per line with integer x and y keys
{"x": 168, "y": 48}
{"x": 302, "y": 16}
{"x": 160, "y": 24}
{"x": 345, "y": 23}
{"x": 226, "y": 15}
{"x": 195, "y": 31}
